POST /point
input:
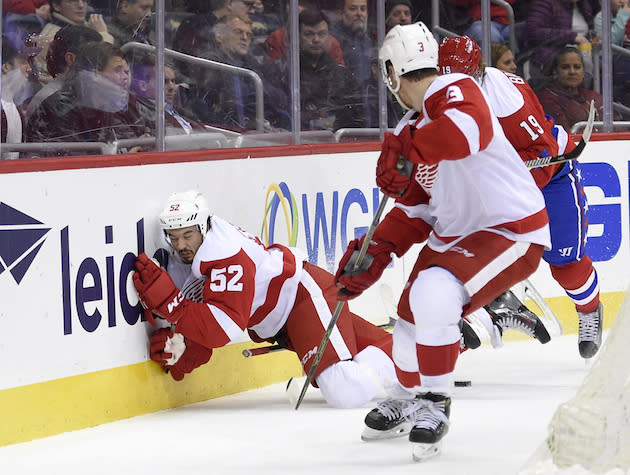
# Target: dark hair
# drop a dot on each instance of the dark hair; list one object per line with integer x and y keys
{"x": 310, "y": 17}
{"x": 95, "y": 55}
{"x": 68, "y": 40}
{"x": 560, "y": 54}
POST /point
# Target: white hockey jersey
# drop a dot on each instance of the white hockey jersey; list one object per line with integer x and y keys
{"x": 236, "y": 283}
{"x": 471, "y": 178}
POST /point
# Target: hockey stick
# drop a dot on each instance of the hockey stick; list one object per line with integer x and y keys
{"x": 340, "y": 304}
{"x": 573, "y": 154}
{"x": 264, "y": 350}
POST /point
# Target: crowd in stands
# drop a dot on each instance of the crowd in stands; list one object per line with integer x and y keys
{"x": 68, "y": 77}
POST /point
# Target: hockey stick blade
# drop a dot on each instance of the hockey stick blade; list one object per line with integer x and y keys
{"x": 340, "y": 304}
{"x": 573, "y": 154}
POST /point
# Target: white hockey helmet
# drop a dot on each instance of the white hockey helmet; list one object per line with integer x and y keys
{"x": 184, "y": 209}
{"x": 408, "y": 48}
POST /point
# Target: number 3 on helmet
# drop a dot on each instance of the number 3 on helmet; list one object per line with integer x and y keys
{"x": 407, "y": 48}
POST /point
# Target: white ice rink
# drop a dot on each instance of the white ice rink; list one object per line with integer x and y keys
{"x": 496, "y": 425}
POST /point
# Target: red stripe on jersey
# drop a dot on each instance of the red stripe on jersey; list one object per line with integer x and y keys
{"x": 275, "y": 286}
{"x": 464, "y": 96}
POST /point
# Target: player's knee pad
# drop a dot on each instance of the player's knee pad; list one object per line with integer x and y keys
{"x": 436, "y": 298}
{"x": 348, "y": 384}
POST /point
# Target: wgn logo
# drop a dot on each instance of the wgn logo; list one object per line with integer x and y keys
{"x": 325, "y": 219}
{"x": 21, "y": 238}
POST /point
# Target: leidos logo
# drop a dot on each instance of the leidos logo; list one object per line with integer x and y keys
{"x": 21, "y": 238}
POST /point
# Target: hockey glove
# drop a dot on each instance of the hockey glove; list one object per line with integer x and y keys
{"x": 355, "y": 281}
{"x": 393, "y": 171}
{"x": 156, "y": 290}
{"x": 176, "y": 354}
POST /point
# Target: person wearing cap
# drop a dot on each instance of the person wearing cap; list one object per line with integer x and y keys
{"x": 397, "y": 12}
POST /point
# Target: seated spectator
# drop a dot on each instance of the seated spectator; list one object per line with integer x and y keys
{"x": 502, "y": 57}
{"x": 277, "y": 43}
{"x": 225, "y": 98}
{"x": 144, "y": 87}
{"x": 66, "y": 12}
{"x": 551, "y": 24}
{"x": 93, "y": 105}
{"x": 620, "y": 16}
{"x": 195, "y": 35}
{"x": 565, "y": 98}
{"x": 351, "y": 32}
{"x": 263, "y": 24}
{"x": 328, "y": 90}
{"x": 132, "y": 22}
{"x": 59, "y": 60}
{"x": 499, "y": 21}
{"x": 397, "y": 12}
{"x": 15, "y": 70}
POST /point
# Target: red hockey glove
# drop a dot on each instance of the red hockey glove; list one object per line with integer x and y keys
{"x": 355, "y": 281}
{"x": 156, "y": 290}
{"x": 393, "y": 171}
{"x": 176, "y": 354}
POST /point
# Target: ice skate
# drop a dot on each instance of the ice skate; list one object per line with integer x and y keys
{"x": 430, "y": 425}
{"x": 590, "y": 332}
{"x": 508, "y": 312}
{"x": 389, "y": 419}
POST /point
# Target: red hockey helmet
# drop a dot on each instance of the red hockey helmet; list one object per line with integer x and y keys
{"x": 460, "y": 54}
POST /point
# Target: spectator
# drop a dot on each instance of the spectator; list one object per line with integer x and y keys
{"x": 226, "y": 98}
{"x": 59, "y": 60}
{"x": 66, "y": 12}
{"x": 620, "y": 14}
{"x": 502, "y": 57}
{"x": 499, "y": 22}
{"x": 195, "y": 35}
{"x": 15, "y": 71}
{"x": 566, "y": 98}
{"x": 132, "y": 22}
{"x": 93, "y": 105}
{"x": 263, "y": 24}
{"x": 397, "y": 12}
{"x": 328, "y": 92}
{"x": 277, "y": 43}
{"x": 143, "y": 86}
{"x": 351, "y": 32}
{"x": 551, "y": 24}
{"x": 25, "y": 7}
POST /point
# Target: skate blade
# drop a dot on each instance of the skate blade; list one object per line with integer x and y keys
{"x": 423, "y": 452}
{"x": 370, "y": 434}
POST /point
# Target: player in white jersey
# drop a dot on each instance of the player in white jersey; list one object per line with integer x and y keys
{"x": 222, "y": 281}
{"x": 471, "y": 198}
{"x": 534, "y": 134}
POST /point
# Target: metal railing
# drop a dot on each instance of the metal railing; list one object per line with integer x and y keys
{"x": 215, "y": 65}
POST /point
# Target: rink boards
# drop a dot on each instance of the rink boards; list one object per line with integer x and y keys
{"x": 74, "y": 347}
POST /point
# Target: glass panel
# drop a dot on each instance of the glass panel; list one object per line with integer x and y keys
{"x": 227, "y": 74}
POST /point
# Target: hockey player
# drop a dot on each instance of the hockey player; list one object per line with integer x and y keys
{"x": 533, "y": 135}
{"x": 221, "y": 280}
{"x": 475, "y": 203}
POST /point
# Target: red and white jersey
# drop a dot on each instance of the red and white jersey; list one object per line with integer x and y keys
{"x": 523, "y": 119}
{"x": 468, "y": 176}
{"x": 234, "y": 283}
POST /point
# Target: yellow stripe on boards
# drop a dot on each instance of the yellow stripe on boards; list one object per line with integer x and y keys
{"x": 52, "y": 407}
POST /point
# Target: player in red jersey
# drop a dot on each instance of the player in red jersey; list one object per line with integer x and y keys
{"x": 533, "y": 134}
{"x": 481, "y": 236}
{"x": 220, "y": 280}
